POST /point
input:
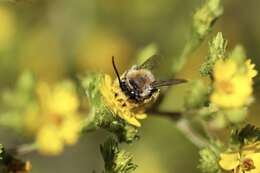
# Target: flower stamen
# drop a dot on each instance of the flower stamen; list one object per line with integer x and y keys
{"x": 248, "y": 164}
{"x": 225, "y": 87}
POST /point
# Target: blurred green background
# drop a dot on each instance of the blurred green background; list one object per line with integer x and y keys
{"x": 59, "y": 39}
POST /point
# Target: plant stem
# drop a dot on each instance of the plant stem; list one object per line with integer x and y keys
{"x": 175, "y": 116}
{"x": 190, "y": 46}
{"x": 88, "y": 123}
{"x": 25, "y": 149}
{"x": 184, "y": 126}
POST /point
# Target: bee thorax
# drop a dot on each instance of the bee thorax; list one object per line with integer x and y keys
{"x": 136, "y": 84}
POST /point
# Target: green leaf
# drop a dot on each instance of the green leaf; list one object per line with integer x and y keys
{"x": 15, "y": 102}
{"x": 204, "y": 17}
{"x": 236, "y": 115}
{"x": 112, "y": 123}
{"x": 209, "y": 158}
{"x": 12, "y": 119}
{"x": 238, "y": 54}
{"x": 116, "y": 160}
{"x": 91, "y": 84}
{"x": 217, "y": 50}
{"x": 22, "y": 94}
{"x": 203, "y": 21}
{"x": 197, "y": 95}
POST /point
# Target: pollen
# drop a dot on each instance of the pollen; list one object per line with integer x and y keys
{"x": 56, "y": 121}
{"x": 226, "y": 87}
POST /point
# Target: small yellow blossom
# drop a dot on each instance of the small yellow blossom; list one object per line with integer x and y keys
{"x": 232, "y": 86}
{"x": 120, "y": 104}
{"x": 57, "y": 117}
{"x": 245, "y": 161}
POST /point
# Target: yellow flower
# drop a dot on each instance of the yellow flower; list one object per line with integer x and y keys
{"x": 245, "y": 161}
{"x": 120, "y": 104}
{"x": 232, "y": 87}
{"x": 57, "y": 117}
{"x": 251, "y": 69}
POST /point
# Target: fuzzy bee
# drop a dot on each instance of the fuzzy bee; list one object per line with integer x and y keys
{"x": 140, "y": 83}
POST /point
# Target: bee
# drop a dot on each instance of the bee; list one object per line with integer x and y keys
{"x": 139, "y": 83}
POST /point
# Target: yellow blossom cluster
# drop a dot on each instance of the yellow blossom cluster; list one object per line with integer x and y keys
{"x": 54, "y": 119}
{"x": 247, "y": 160}
{"x": 120, "y": 104}
{"x": 232, "y": 83}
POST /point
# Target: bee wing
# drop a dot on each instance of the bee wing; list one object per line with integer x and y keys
{"x": 169, "y": 82}
{"x": 158, "y": 65}
{"x": 151, "y": 62}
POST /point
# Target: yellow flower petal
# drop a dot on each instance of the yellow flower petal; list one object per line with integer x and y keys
{"x": 43, "y": 92}
{"x": 61, "y": 99}
{"x": 242, "y": 85}
{"x": 256, "y": 159}
{"x": 229, "y": 161}
{"x": 251, "y": 69}
{"x": 32, "y": 121}
{"x": 141, "y": 116}
{"x": 64, "y": 100}
{"x": 133, "y": 121}
{"x": 69, "y": 130}
{"x": 48, "y": 141}
{"x": 224, "y": 70}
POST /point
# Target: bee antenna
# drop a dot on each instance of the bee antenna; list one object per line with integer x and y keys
{"x": 116, "y": 71}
